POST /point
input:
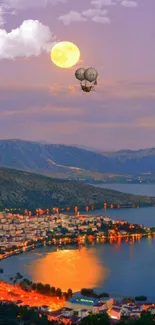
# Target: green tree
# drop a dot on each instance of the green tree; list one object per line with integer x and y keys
{"x": 58, "y": 292}
{"x": 69, "y": 293}
{"x": 47, "y": 288}
{"x": 34, "y": 286}
{"x": 53, "y": 291}
{"x": 19, "y": 276}
{"x": 99, "y": 319}
{"x": 40, "y": 287}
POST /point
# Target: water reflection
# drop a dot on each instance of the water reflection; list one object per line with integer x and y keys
{"x": 69, "y": 269}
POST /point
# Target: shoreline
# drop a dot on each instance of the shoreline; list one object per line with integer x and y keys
{"x": 89, "y": 209}
{"x": 80, "y": 240}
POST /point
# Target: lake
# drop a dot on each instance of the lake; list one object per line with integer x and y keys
{"x": 120, "y": 269}
{"x": 145, "y": 216}
{"x": 140, "y": 189}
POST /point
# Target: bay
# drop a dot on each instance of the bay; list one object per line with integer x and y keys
{"x": 120, "y": 269}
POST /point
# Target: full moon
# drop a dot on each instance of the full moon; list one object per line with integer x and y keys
{"x": 65, "y": 54}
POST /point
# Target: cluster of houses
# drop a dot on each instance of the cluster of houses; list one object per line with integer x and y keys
{"x": 16, "y": 228}
{"x": 80, "y": 306}
{"x": 131, "y": 310}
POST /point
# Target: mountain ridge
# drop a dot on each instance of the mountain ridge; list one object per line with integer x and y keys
{"x": 69, "y": 162}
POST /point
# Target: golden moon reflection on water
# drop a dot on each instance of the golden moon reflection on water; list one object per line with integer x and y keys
{"x": 66, "y": 269}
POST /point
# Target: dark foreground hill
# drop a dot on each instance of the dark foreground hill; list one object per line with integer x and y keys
{"x": 26, "y": 190}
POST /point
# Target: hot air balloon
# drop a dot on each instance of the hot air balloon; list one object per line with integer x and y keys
{"x": 79, "y": 74}
{"x": 89, "y": 76}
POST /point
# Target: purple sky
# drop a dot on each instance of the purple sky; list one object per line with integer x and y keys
{"x": 39, "y": 101}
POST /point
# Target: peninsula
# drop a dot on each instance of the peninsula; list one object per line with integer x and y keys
{"x": 25, "y": 190}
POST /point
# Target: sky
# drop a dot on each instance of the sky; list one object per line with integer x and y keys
{"x": 39, "y": 101}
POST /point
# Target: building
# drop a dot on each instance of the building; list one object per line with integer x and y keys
{"x": 83, "y": 313}
{"x": 79, "y": 302}
{"x": 100, "y": 307}
{"x": 115, "y": 312}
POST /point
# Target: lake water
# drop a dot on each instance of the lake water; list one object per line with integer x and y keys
{"x": 140, "y": 189}
{"x": 120, "y": 269}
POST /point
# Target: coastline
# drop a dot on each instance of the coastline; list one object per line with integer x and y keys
{"x": 78, "y": 241}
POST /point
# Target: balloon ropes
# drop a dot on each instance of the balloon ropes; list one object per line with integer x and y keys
{"x": 87, "y": 78}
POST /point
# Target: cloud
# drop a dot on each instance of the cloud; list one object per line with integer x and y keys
{"x": 107, "y": 116}
{"x": 101, "y": 20}
{"x": 94, "y": 12}
{"x": 72, "y": 16}
{"x": 30, "y": 39}
{"x": 2, "y": 20}
{"x": 129, "y": 4}
{"x": 101, "y": 3}
{"x": 13, "y": 6}
{"x": 96, "y": 15}
{"x": 26, "y": 4}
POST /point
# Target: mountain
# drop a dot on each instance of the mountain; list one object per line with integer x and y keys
{"x": 130, "y": 153}
{"x": 70, "y": 162}
{"x": 20, "y": 189}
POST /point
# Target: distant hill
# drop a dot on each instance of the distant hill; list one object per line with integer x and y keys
{"x": 26, "y": 190}
{"x": 70, "y": 162}
{"x": 130, "y": 153}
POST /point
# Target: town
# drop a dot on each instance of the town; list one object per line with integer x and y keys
{"x": 27, "y": 231}
{"x": 77, "y": 307}
{"x": 21, "y": 232}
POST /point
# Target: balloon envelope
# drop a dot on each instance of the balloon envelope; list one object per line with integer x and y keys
{"x": 79, "y": 74}
{"x": 90, "y": 74}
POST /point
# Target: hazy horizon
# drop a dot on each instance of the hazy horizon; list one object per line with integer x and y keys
{"x": 99, "y": 149}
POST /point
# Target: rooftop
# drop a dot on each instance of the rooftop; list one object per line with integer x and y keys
{"x": 80, "y": 299}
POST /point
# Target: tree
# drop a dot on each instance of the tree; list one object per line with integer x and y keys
{"x": 47, "y": 288}
{"x": 40, "y": 287}
{"x": 58, "y": 292}
{"x": 98, "y": 319}
{"x": 19, "y": 276}
{"x": 53, "y": 291}
{"x": 104, "y": 294}
{"x": 141, "y": 298}
{"x": 128, "y": 299}
{"x": 69, "y": 293}
{"x": 34, "y": 286}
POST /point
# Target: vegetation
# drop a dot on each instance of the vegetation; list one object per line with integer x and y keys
{"x": 29, "y": 191}
{"x": 96, "y": 319}
{"x": 91, "y": 293}
{"x": 140, "y": 298}
{"x": 70, "y": 162}
{"x": 44, "y": 289}
{"x": 11, "y": 314}
{"x": 145, "y": 319}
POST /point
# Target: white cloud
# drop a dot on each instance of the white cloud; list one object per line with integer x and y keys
{"x": 13, "y": 6}
{"x": 72, "y": 16}
{"x": 96, "y": 15}
{"x": 94, "y": 12}
{"x": 129, "y": 4}
{"x": 30, "y": 39}
{"x": 101, "y": 3}
{"x": 25, "y": 4}
{"x": 101, "y": 20}
{"x": 2, "y": 20}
